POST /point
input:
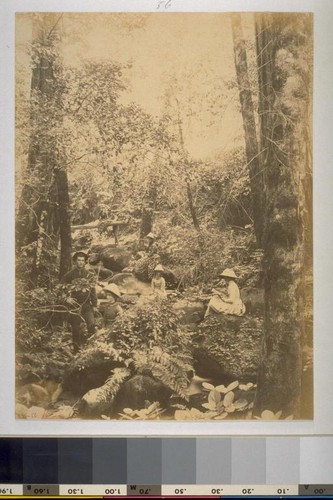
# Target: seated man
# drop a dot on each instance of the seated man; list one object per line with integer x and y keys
{"x": 111, "y": 308}
{"x": 230, "y": 303}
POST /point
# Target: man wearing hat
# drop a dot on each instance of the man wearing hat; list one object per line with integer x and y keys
{"x": 112, "y": 308}
{"x": 82, "y": 300}
{"x": 230, "y": 303}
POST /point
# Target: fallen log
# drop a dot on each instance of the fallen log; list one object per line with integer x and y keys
{"x": 96, "y": 224}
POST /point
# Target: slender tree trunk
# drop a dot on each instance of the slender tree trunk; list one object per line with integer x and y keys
{"x": 249, "y": 124}
{"x": 147, "y": 218}
{"x": 281, "y": 140}
{"x": 64, "y": 222}
{"x": 192, "y": 208}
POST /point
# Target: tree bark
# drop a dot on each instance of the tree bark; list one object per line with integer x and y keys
{"x": 249, "y": 125}
{"x": 38, "y": 159}
{"x": 281, "y": 140}
{"x": 40, "y": 210}
{"x": 192, "y": 208}
{"x": 64, "y": 222}
{"x": 147, "y": 220}
{"x": 193, "y": 211}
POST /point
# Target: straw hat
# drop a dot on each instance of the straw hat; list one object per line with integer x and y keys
{"x": 159, "y": 268}
{"x": 113, "y": 289}
{"x": 228, "y": 273}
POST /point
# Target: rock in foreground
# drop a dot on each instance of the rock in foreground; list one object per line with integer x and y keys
{"x": 89, "y": 369}
{"x": 138, "y": 391}
{"x": 229, "y": 348}
{"x": 189, "y": 311}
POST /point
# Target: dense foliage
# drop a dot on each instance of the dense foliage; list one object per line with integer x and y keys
{"x": 88, "y": 155}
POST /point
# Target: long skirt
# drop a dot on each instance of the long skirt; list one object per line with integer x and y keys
{"x": 219, "y": 306}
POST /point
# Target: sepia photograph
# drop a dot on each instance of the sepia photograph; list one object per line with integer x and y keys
{"x": 163, "y": 219}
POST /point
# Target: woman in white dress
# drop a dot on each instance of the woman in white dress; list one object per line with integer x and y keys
{"x": 230, "y": 303}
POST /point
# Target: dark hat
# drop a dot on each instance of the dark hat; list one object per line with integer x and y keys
{"x": 80, "y": 254}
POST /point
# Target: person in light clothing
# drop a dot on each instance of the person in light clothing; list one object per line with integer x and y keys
{"x": 158, "y": 282}
{"x": 230, "y": 303}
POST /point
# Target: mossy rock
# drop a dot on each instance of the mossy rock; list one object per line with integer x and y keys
{"x": 89, "y": 369}
{"x": 189, "y": 311}
{"x": 229, "y": 348}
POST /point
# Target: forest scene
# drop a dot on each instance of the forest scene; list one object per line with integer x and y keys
{"x": 164, "y": 216}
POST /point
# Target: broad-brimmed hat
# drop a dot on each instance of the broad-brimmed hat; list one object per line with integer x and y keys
{"x": 151, "y": 236}
{"x": 80, "y": 253}
{"x": 159, "y": 268}
{"x": 228, "y": 273}
{"x": 112, "y": 288}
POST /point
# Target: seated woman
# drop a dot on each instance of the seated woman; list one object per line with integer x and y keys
{"x": 158, "y": 282}
{"x": 227, "y": 304}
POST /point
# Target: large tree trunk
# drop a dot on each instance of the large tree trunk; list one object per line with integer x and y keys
{"x": 249, "y": 124}
{"x": 44, "y": 203}
{"x": 28, "y": 222}
{"x": 282, "y": 123}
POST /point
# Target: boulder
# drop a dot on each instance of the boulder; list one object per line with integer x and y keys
{"x": 189, "y": 311}
{"x": 93, "y": 258}
{"x": 33, "y": 394}
{"x": 138, "y": 391}
{"x": 229, "y": 349}
{"x": 144, "y": 268}
{"x": 99, "y": 401}
{"x": 89, "y": 369}
{"x": 102, "y": 273}
{"x": 96, "y": 249}
{"x": 21, "y": 411}
{"x": 115, "y": 258}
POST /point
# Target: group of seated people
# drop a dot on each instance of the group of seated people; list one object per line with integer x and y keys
{"x": 83, "y": 300}
{"x": 222, "y": 301}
